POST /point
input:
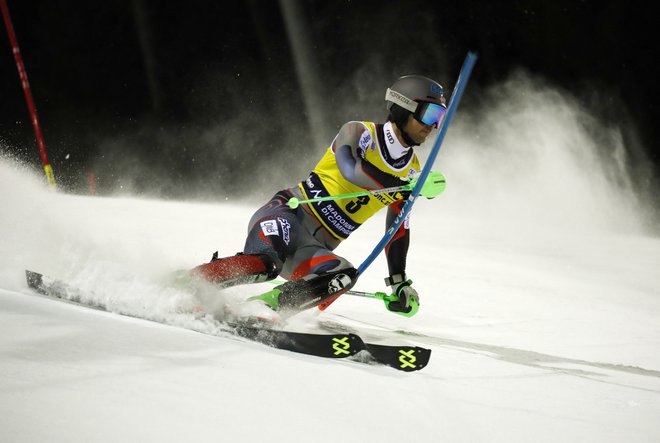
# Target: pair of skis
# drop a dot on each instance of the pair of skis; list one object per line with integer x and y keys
{"x": 338, "y": 345}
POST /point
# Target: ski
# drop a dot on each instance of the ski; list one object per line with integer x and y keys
{"x": 335, "y": 345}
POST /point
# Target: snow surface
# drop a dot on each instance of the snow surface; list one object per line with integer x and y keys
{"x": 540, "y": 299}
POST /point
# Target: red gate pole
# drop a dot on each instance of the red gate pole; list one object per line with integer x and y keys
{"x": 28, "y": 94}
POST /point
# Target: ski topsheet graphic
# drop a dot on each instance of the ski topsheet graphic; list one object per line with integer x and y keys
{"x": 336, "y": 345}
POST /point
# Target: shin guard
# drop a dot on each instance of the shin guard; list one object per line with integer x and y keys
{"x": 238, "y": 269}
{"x": 298, "y": 295}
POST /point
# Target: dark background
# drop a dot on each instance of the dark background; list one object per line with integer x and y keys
{"x": 164, "y": 98}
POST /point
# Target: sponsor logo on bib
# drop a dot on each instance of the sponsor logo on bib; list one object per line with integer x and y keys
{"x": 365, "y": 140}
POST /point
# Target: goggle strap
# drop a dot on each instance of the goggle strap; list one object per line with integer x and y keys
{"x": 401, "y": 100}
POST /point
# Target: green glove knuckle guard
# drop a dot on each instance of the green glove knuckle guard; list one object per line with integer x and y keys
{"x": 434, "y": 185}
{"x": 403, "y": 291}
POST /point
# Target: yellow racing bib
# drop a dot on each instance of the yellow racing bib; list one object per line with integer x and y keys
{"x": 341, "y": 217}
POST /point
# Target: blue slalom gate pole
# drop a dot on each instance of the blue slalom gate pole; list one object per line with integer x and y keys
{"x": 463, "y": 78}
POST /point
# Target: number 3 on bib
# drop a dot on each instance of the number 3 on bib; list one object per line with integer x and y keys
{"x": 354, "y": 205}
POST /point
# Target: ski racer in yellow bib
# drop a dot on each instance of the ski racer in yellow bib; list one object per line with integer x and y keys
{"x": 298, "y": 243}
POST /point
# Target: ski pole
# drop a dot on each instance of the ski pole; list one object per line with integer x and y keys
{"x": 385, "y": 297}
{"x": 293, "y": 203}
{"x": 376, "y": 295}
{"x": 461, "y": 83}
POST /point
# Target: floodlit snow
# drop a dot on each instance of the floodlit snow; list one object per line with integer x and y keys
{"x": 540, "y": 299}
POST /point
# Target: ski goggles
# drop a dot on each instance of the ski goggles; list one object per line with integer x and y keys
{"x": 431, "y": 114}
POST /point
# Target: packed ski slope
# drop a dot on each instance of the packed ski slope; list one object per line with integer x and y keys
{"x": 540, "y": 298}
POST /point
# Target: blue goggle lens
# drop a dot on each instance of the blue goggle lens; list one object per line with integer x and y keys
{"x": 430, "y": 114}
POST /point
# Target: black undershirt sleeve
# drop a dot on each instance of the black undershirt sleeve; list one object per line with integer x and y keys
{"x": 397, "y": 249}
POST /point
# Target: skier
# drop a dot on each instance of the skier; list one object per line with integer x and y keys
{"x": 298, "y": 243}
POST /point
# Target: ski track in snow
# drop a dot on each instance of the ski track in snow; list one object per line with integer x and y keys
{"x": 540, "y": 301}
